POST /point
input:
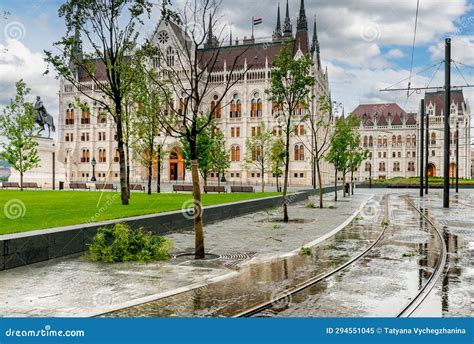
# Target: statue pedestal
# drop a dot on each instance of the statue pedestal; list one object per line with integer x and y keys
{"x": 43, "y": 175}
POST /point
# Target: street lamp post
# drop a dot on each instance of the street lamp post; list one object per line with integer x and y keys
{"x": 53, "y": 157}
{"x": 457, "y": 157}
{"x": 93, "y": 163}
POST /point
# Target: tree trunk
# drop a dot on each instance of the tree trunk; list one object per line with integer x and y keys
{"x": 123, "y": 166}
{"x": 158, "y": 173}
{"x": 287, "y": 171}
{"x": 128, "y": 169}
{"x": 278, "y": 189}
{"x": 198, "y": 228}
{"x": 263, "y": 180}
{"x": 335, "y": 186}
{"x": 150, "y": 173}
{"x": 21, "y": 181}
{"x": 352, "y": 182}
{"x": 344, "y": 183}
{"x": 320, "y": 184}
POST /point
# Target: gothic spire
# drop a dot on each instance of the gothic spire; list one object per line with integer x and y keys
{"x": 277, "y": 34}
{"x": 315, "y": 45}
{"x": 302, "y": 22}
{"x": 287, "y": 28}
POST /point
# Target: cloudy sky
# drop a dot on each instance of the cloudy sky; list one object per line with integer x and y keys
{"x": 366, "y": 44}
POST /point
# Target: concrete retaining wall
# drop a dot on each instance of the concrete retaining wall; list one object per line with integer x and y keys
{"x": 32, "y": 247}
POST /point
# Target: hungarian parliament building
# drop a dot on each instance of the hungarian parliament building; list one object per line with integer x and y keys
{"x": 89, "y": 134}
{"x": 390, "y": 134}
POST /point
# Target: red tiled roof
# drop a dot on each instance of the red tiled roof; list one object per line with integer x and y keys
{"x": 437, "y": 100}
{"x": 380, "y": 113}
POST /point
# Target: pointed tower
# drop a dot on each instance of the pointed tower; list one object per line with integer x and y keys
{"x": 278, "y": 34}
{"x": 302, "y": 36}
{"x": 315, "y": 45}
{"x": 302, "y": 22}
{"x": 288, "y": 27}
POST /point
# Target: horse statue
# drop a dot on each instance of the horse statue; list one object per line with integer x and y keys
{"x": 43, "y": 117}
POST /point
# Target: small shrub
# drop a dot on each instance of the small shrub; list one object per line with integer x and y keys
{"x": 122, "y": 244}
{"x": 305, "y": 251}
{"x": 311, "y": 205}
{"x": 274, "y": 226}
{"x": 384, "y": 223}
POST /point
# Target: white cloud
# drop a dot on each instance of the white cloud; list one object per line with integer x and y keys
{"x": 394, "y": 54}
{"x": 19, "y": 62}
{"x": 462, "y": 49}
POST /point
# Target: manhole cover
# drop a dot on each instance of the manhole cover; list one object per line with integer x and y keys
{"x": 209, "y": 256}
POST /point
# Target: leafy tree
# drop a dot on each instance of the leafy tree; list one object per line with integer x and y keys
{"x": 357, "y": 154}
{"x": 109, "y": 29}
{"x": 290, "y": 90}
{"x": 205, "y": 143}
{"x": 277, "y": 159}
{"x": 338, "y": 154}
{"x": 258, "y": 150}
{"x": 149, "y": 103}
{"x": 17, "y": 125}
{"x": 220, "y": 159}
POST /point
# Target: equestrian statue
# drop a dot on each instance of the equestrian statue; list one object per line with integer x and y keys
{"x": 43, "y": 117}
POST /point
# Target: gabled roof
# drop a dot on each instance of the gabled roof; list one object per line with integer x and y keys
{"x": 437, "y": 100}
{"x": 380, "y": 114}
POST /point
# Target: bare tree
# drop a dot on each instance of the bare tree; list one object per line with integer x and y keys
{"x": 188, "y": 74}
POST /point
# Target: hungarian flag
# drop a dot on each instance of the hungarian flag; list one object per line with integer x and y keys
{"x": 257, "y": 21}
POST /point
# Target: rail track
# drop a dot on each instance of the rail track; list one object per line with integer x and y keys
{"x": 407, "y": 310}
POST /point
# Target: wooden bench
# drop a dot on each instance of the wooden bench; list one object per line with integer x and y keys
{"x": 101, "y": 187}
{"x": 31, "y": 186}
{"x": 183, "y": 188}
{"x": 219, "y": 189}
{"x": 79, "y": 186}
{"x": 6, "y": 185}
{"x": 137, "y": 187}
{"x": 242, "y": 189}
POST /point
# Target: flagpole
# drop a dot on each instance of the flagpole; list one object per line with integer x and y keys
{"x": 253, "y": 21}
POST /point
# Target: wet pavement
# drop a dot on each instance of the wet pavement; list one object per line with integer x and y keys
{"x": 263, "y": 279}
{"x": 454, "y": 293}
{"x": 75, "y": 287}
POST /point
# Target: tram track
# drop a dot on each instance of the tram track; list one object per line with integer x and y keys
{"x": 407, "y": 310}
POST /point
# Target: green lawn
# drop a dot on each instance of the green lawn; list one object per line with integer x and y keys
{"x": 416, "y": 181}
{"x": 46, "y": 209}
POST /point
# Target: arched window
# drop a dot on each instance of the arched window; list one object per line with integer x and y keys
{"x": 385, "y": 141}
{"x": 235, "y": 107}
{"x": 69, "y": 116}
{"x": 235, "y": 153}
{"x": 256, "y": 106}
{"x": 396, "y": 166}
{"x": 366, "y": 141}
{"x": 299, "y": 152}
{"x": 433, "y": 139}
{"x": 367, "y": 166}
{"x": 300, "y": 109}
{"x": 256, "y": 153}
{"x": 408, "y": 140}
{"x": 399, "y": 140}
{"x": 413, "y": 140}
{"x": 85, "y": 156}
{"x": 216, "y": 107}
{"x": 276, "y": 108}
{"x": 170, "y": 57}
{"x": 102, "y": 118}
{"x": 117, "y": 156}
{"x": 382, "y": 166}
{"x": 411, "y": 166}
{"x": 85, "y": 116}
{"x": 277, "y": 131}
{"x": 102, "y": 156}
{"x": 371, "y": 141}
{"x": 379, "y": 141}
{"x": 394, "y": 140}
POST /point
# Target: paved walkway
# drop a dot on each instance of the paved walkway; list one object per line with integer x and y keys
{"x": 74, "y": 287}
